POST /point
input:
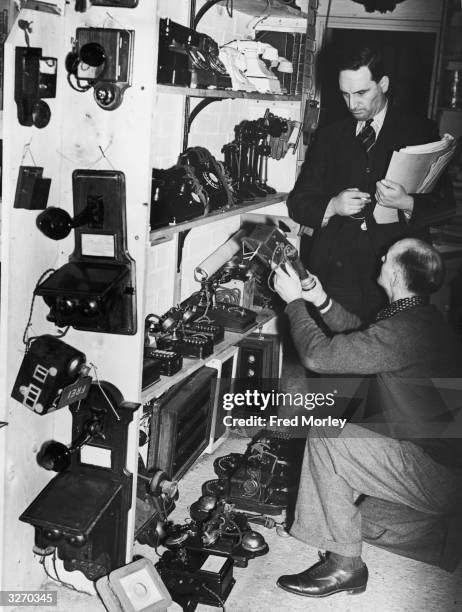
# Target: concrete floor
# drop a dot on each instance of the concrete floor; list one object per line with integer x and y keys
{"x": 396, "y": 584}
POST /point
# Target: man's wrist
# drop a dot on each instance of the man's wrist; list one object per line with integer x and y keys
{"x": 328, "y": 213}
{"x": 315, "y": 297}
{"x": 408, "y": 206}
{"x": 325, "y": 305}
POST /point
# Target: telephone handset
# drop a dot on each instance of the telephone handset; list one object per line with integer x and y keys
{"x": 56, "y": 223}
{"x": 35, "y": 79}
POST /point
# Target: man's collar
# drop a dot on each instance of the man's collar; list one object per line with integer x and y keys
{"x": 401, "y": 305}
{"x": 377, "y": 121}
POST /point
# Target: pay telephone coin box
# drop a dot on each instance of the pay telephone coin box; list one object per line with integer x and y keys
{"x": 95, "y": 291}
{"x": 47, "y": 369}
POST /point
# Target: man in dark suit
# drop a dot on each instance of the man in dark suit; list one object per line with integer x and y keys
{"x": 342, "y": 180}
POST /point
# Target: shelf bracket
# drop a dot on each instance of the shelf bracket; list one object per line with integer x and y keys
{"x": 190, "y": 115}
{"x": 201, "y": 12}
{"x": 181, "y": 240}
{"x": 199, "y": 107}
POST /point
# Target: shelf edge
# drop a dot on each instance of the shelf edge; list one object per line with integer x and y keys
{"x": 163, "y": 234}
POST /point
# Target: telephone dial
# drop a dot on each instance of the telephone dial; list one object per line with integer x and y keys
{"x": 35, "y": 79}
{"x": 102, "y": 59}
{"x": 95, "y": 290}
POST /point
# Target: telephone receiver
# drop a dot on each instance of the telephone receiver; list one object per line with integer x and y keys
{"x": 157, "y": 483}
{"x": 35, "y": 79}
{"x": 57, "y": 223}
{"x": 56, "y": 456}
{"x": 88, "y": 63}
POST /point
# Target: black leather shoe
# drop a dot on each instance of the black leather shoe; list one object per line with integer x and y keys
{"x": 325, "y": 578}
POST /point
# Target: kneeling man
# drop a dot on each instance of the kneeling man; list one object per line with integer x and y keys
{"x": 407, "y": 454}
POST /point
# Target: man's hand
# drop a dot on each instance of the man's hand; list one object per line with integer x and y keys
{"x": 349, "y": 202}
{"x": 287, "y": 284}
{"x": 393, "y": 195}
{"x": 316, "y": 295}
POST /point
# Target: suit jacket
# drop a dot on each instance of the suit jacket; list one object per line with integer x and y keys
{"x": 407, "y": 353}
{"x": 345, "y": 257}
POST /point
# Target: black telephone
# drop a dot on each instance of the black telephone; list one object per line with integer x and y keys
{"x": 211, "y": 175}
{"x": 102, "y": 58}
{"x": 35, "y": 79}
{"x": 176, "y": 196}
{"x": 95, "y": 290}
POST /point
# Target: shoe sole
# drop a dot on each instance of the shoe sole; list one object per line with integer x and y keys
{"x": 352, "y": 591}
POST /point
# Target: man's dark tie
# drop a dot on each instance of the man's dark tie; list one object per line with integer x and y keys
{"x": 366, "y": 136}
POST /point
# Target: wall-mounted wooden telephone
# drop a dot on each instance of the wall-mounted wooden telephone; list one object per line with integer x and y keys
{"x": 95, "y": 290}
{"x": 35, "y": 79}
{"x": 102, "y": 58}
{"x": 82, "y": 512}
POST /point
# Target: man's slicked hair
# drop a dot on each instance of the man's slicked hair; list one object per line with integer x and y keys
{"x": 422, "y": 268}
{"x": 365, "y": 55}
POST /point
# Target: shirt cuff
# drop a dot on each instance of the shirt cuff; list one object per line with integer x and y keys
{"x": 325, "y": 306}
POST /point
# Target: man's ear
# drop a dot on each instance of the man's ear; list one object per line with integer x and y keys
{"x": 384, "y": 83}
{"x": 397, "y": 277}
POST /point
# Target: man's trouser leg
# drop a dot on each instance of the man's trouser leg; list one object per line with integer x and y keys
{"x": 336, "y": 469}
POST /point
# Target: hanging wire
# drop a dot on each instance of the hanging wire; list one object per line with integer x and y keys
{"x": 27, "y": 150}
{"x": 230, "y": 7}
{"x": 105, "y": 156}
{"x": 25, "y": 339}
{"x": 56, "y": 578}
{"x": 93, "y": 163}
{"x": 103, "y": 391}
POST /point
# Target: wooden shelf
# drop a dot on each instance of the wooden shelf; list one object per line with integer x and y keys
{"x": 274, "y": 8}
{"x": 165, "y": 233}
{"x": 224, "y": 93}
{"x": 191, "y": 365}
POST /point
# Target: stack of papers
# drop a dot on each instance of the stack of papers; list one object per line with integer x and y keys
{"x": 417, "y": 169}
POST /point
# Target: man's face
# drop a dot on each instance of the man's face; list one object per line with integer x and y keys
{"x": 385, "y": 274}
{"x": 389, "y": 270}
{"x": 363, "y": 96}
